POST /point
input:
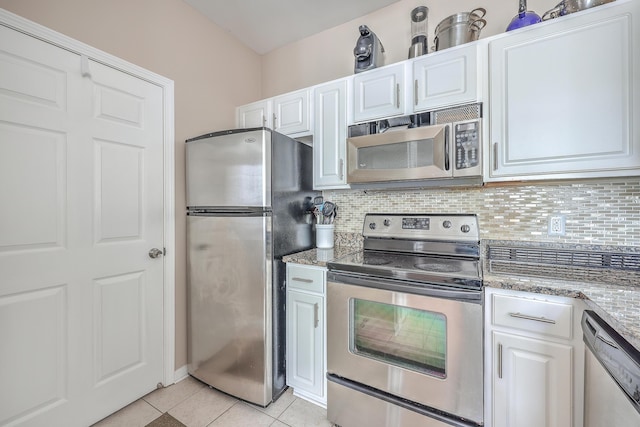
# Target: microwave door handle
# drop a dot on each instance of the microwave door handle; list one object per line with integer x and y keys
{"x": 447, "y": 155}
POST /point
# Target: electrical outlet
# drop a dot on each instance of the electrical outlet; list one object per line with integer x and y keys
{"x": 557, "y": 225}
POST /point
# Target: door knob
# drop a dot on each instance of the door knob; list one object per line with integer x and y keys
{"x": 155, "y": 253}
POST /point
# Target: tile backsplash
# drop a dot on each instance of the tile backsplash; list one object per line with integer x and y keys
{"x": 596, "y": 212}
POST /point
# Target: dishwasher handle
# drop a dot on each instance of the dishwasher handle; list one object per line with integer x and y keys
{"x": 618, "y": 357}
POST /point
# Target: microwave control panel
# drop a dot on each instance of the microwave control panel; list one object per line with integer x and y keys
{"x": 467, "y": 142}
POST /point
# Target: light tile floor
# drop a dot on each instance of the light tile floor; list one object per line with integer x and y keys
{"x": 195, "y": 404}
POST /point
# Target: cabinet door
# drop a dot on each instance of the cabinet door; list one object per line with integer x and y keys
{"x": 254, "y": 115}
{"x": 378, "y": 93}
{"x": 305, "y": 350}
{"x": 446, "y": 78}
{"x": 531, "y": 382}
{"x": 330, "y": 136}
{"x": 564, "y": 96}
{"x": 292, "y": 113}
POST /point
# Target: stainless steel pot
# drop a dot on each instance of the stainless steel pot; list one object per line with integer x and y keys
{"x": 460, "y": 28}
{"x": 566, "y": 7}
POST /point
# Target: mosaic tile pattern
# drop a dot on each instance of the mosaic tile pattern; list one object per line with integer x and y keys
{"x": 597, "y": 212}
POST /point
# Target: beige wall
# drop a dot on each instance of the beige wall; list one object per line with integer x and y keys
{"x": 329, "y": 55}
{"x": 212, "y": 72}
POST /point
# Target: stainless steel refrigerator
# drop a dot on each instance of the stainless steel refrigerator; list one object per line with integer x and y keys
{"x": 248, "y": 196}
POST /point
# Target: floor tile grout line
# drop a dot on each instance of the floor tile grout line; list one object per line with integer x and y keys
{"x": 285, "y": 409}
{"x": 196, "y": 391}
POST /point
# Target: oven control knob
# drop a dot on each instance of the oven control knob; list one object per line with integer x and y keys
{"x": 446, "y": 224}
{"x": 372, "y": 225}
{"x": 465, "y": 228}
{"x": 387, "y": 222}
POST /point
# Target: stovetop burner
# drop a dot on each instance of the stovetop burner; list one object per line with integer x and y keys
{"x": 434, "y": 249}
{"x": 375, "y": 260}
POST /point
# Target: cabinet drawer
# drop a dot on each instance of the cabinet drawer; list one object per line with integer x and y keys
{"x": 305, "y": 278}
{"x": 541, "y": 317}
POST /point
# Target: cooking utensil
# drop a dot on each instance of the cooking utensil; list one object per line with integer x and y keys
{"x": 524, "y": 17}
{"x": 460, "y": 28}
{"x": 566, "y": 7}
{"x": 327, "y": 212}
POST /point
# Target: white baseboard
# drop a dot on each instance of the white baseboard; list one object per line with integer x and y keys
{"x": 180, "y": 374}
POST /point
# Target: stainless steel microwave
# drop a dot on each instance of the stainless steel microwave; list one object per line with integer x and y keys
{"x": 446, "y": 147}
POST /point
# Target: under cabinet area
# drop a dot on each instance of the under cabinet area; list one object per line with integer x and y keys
{"x": 306, "y": 364}
{"x": 534, "y": 360}
{"x": 564, "y": 95}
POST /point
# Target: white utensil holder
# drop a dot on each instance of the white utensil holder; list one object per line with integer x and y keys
{"x": 324, "y": 235}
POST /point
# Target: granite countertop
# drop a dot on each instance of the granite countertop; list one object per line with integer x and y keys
{"x": 320, "y": 257}
{"x": 614, "y": 296}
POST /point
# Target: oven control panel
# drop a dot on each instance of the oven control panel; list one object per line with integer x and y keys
{"x": 445, "y": 227}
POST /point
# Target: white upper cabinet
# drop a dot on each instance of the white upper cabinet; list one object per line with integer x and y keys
{"x": 292, "y": 113}
{"x": 330, "y": 135}
{"x": 564, "y": 95}
{"x": 379, "y": 93}
{"x": 254, "y": 115}
{"x": 289, "y": 114}
{"x": 449, "y": 77}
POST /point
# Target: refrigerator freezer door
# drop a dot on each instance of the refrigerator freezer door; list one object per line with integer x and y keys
{"x": 229, "y": 170}
{"x": 230, "y": 295}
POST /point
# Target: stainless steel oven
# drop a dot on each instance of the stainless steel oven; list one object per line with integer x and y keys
{"x": 404, "y": 325}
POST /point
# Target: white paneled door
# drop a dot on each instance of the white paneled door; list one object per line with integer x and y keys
{"x": 81, "y": 206}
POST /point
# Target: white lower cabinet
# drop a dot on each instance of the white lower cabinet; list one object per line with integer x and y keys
{"x": 306, "y": 355}
{"x": 532, "y": 385}
{"x": 534, "y": 360}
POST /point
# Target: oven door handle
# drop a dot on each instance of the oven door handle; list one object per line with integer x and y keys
{"x": 403, "y": 403}
{"x": 425, "y": 289}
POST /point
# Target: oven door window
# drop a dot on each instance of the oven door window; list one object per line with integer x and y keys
{"x": 402, "y": 336}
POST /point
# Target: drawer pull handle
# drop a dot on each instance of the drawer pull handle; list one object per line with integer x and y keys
{"x": 607, "y": 342}
{"x": 300, "y": 279}
{"x": 534, "y": 318}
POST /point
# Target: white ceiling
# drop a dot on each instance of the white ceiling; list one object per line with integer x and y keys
{"x": 265, "y": 25}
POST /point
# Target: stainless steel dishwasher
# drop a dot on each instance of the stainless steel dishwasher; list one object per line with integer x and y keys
{"x": 612, "y": 376}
